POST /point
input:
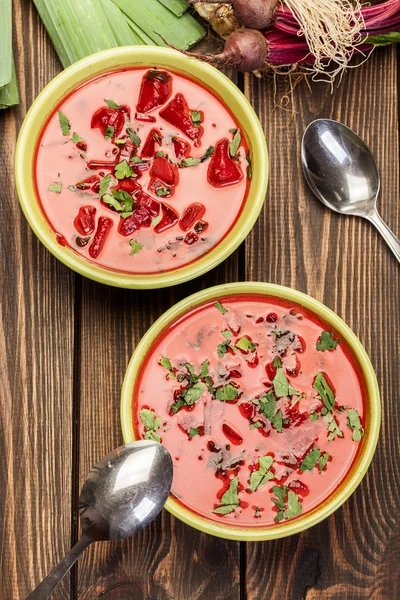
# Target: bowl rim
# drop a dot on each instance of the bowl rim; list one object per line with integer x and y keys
{"x": 140, "y": 56}
{"x": 365, "y": 454}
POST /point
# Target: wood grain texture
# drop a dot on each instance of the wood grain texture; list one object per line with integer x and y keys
{"x": 344, "y": 263}
{"x": 36, "y": 359}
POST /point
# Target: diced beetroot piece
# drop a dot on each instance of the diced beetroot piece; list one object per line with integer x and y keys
{"x": 84, "y": 222}
{"x": 191, "y": 238}
{"x": 201, "y": 226}
{"x": 149, "y": 148}
{"x": 247, "y": 410}
{"x": 270, "y": 371}
{"x": 147, "y": 201}
{"x": 60, "y": 239}
{"x": 95, "y": 165}
{"x": 110, "y": 117}
{"x": 271, "y": 317}
{"x": 234, "y": 374}
{"x": 302, "y": 346}
{"x": 104, "y": 226}
{"x": 233, "y": 436}
{"x": 129, "y": 185}
{"x": 81, "y": 242}
{"x": 292, "y": 365}
{"x": 140, "y": 168}
{"x": 155, "y": 90}
{"x": 223, "y": 170}
{"x": 252, "y": 360}
{"x": 158, "y": 187}
{"x": 126, "y": 152}
{"x": 87, "y": 184}
{"x": 295, "y": 417}
{"x": 145, "y": 118}
{"x": 96, "y": 187}
{"x": 141, "y": 217}
{"x": 81, "y": 146}
{"x": 165, "y": 171}
{"x": 299, "y": 487}
{"x": 169, "y": 218}
{"x": 190, "y": 215}
{"x": 178, "y": 114}
{"x": 302, "y": 446}
{"x": 182, "y": 149}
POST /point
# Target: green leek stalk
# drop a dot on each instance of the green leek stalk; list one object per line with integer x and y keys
{"x": 178, "y": 7}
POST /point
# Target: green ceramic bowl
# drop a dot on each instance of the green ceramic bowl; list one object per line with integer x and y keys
{"x": 372, "y": 421}
{"x": 139, "y": 56}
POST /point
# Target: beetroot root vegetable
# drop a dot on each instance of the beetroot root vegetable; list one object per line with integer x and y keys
{"x": 245, "y": 50}
{"x": 254, "y": 14}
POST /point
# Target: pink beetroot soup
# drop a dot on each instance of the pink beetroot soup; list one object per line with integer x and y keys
{"x": 142, "y": 171}
{"x": 260, "y": 406}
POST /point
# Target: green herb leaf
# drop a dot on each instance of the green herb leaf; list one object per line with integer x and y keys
{"x": 227, "y": 333}
{"x": 123, "y": 170}
{"x": 133, "y": 136}
{"x": 204, "y": 369}
{"x": 156, "y": 221}
{"x": 323, "y": 461}
{"x": 249, "y": 166}
{"x": 166, "y": 363}
{"x": 227, "y": 392}
{"x": 324, "y": 390}
{"x": 221, "y": 308}
{"x": 282, "y": 386}
{"x": 160, "y": 153}
{"x": 194, "y": 393}
{"x": 120, "y": 141}
{"x": 310, "y": 460}
{"x": 294, "y": 507}
{"x": 231, "y": 495}
{"x": 64, "y": 123}
{"x": 313, "y": 416}
{"x": 196, "y": 117}
{"x": 354, "y": 423}
{"x": 135, "y": 247}
{"x": 334, "y": 430}
{"x": 124, "y": 198}
{"x": 111, "y": 201}
{"x": 222, "y": 348}
{"x": 136, "y": 160}
{"x": 277, "y": 421}
{"x": 256, "y": 425}
{"x": 225, "y": 510}
{"x": 326, "y": 342}
{"x": 152, "y": 435}
{"x": 193, "y": 431}
{"x": 280, "y": 493}
{"x": 163, "y": 191}
{"x": 268, "y": 405}
{"x": 190, "y": 162}
{"x": 112, "y": 104}
{"x": 235, "y": 144}
{"x": 104, "y": 183}
{"x": 245, "y": 344}
{"x": 55, "y": 187}
{"x": 76, "y": 138}
{"x": 277, "y": 362}
{"x": 233, "y": 130}
{"x": 263, "y": 474}
{"x": 149, "y": 419}
{"x": 209, "y": 152}
{"x": 109, "y": 132}
{"x": 178, "y": 405}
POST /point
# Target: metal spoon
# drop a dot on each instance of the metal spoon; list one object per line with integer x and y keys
{"x": 122, "y": 494}
{"x": 341, "y": 171}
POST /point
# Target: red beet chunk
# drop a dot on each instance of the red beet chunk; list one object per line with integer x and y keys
{"x": 299, "y": 487}
{"x": 169, "y": 218}
{"x": 158, "y": 187}
{"x": 141, "y": 217}
{"x": 247, "y": 409}
{"x": 127, "y": 151}
{"x": 109, "y": 117}
{"x": 81, "y": 146}
{"x": 295, "y": 417}
{"x": 233, "y": 436}
{"x": 104, "y": 226}
{"x": 191, "y": 238}
{"x": 101, "y": 164}
{"x": 149, "y": 148}
{"x": 201, "y": 226}
{"x": 129, "y": 185}
{"x": 223, "y": 170}
{"x": 149, "y": 203}
{"x": 182, "y": 149}
{"x": 178, "y": 114}
{"x": 165, "y": 171}
{"x": 88, "y": 184}
{"x": 155, "y": 90}
{"x": 270, "y": 371}
{"x": 190, "y": 215}
{"x": 252, "y": 361}
{"x": 84, "y": 221}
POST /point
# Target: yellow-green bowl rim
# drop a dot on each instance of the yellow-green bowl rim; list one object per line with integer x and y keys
{"x": 373, "y": 408}
{"x": 140, "y": 56}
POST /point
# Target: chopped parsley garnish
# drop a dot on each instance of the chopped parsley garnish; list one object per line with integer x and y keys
{"x": 310, "y": 460}
{"x": 104, "y": 183}
{"x": 209, "y": 152}
{"x": 55, "y": 187}
{"x": 156, "y": 221}
{"x": 222, "y": 348}
{"x": 190, "y": 162}
{"x": 204, "y": 369}
{"x": 76, "y": 138}
{"x": 125, "y": 199}
{"x": 249, "y": 165}
{"x": 135, "y": 247}
{"x": 245, "y": 344}
{"x": 235, "y": 144}
{"x": 221, "y": 308}
{"x": 151, "y": 424}
{"x": 109, "y": 132}
{"x": 123, "y": 170}
{"x": 277, "y": 362}
{"x": 64, "y": 123}
{"x": 160, "y": 153}
{"x": 194, "y": 431}
{"x": 354, "y": 423}
{"x": 196, "y": 117}
{"x": 287, "y": 502}
{"x": 326, "y": 342}
{"x": 136, "y": 160}
{"x": 163, "y": 191}
{"x": 323, "y": 461}
{"x": 120, "y": 141}
{"x": 256, "y": 425}
{"x": 324, "y": 390}
{"x": 166, "y": 363}
{"x": 282, "y": 386}
{"x": 113, "y": 201}
{"x": 267, "y": 405}
{"x": 227, "y": 392}
{"x": 230, "y": 500}
{"x": 334, "y": 430}
{"x": 263, "y": 474}
{"x": 111, "y": 104}
{"x": 189, "y": 396}
{"x": 313, "y": 416}
{"x": 133, "y": 136}
{"x": 227, "y": 333}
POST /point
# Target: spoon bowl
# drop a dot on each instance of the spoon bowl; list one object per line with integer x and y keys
{"x": 341, "y": 171}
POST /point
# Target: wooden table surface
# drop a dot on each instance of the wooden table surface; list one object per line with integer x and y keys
{"x": 65, "y": 343}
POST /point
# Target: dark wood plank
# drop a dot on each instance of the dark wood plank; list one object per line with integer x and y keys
{"x": 36, "y": 359}
{"x": 344, "y": 263}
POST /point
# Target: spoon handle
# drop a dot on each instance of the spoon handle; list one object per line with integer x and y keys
{"x": 45, "y": 589}
{"x": 392, "y": 241}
